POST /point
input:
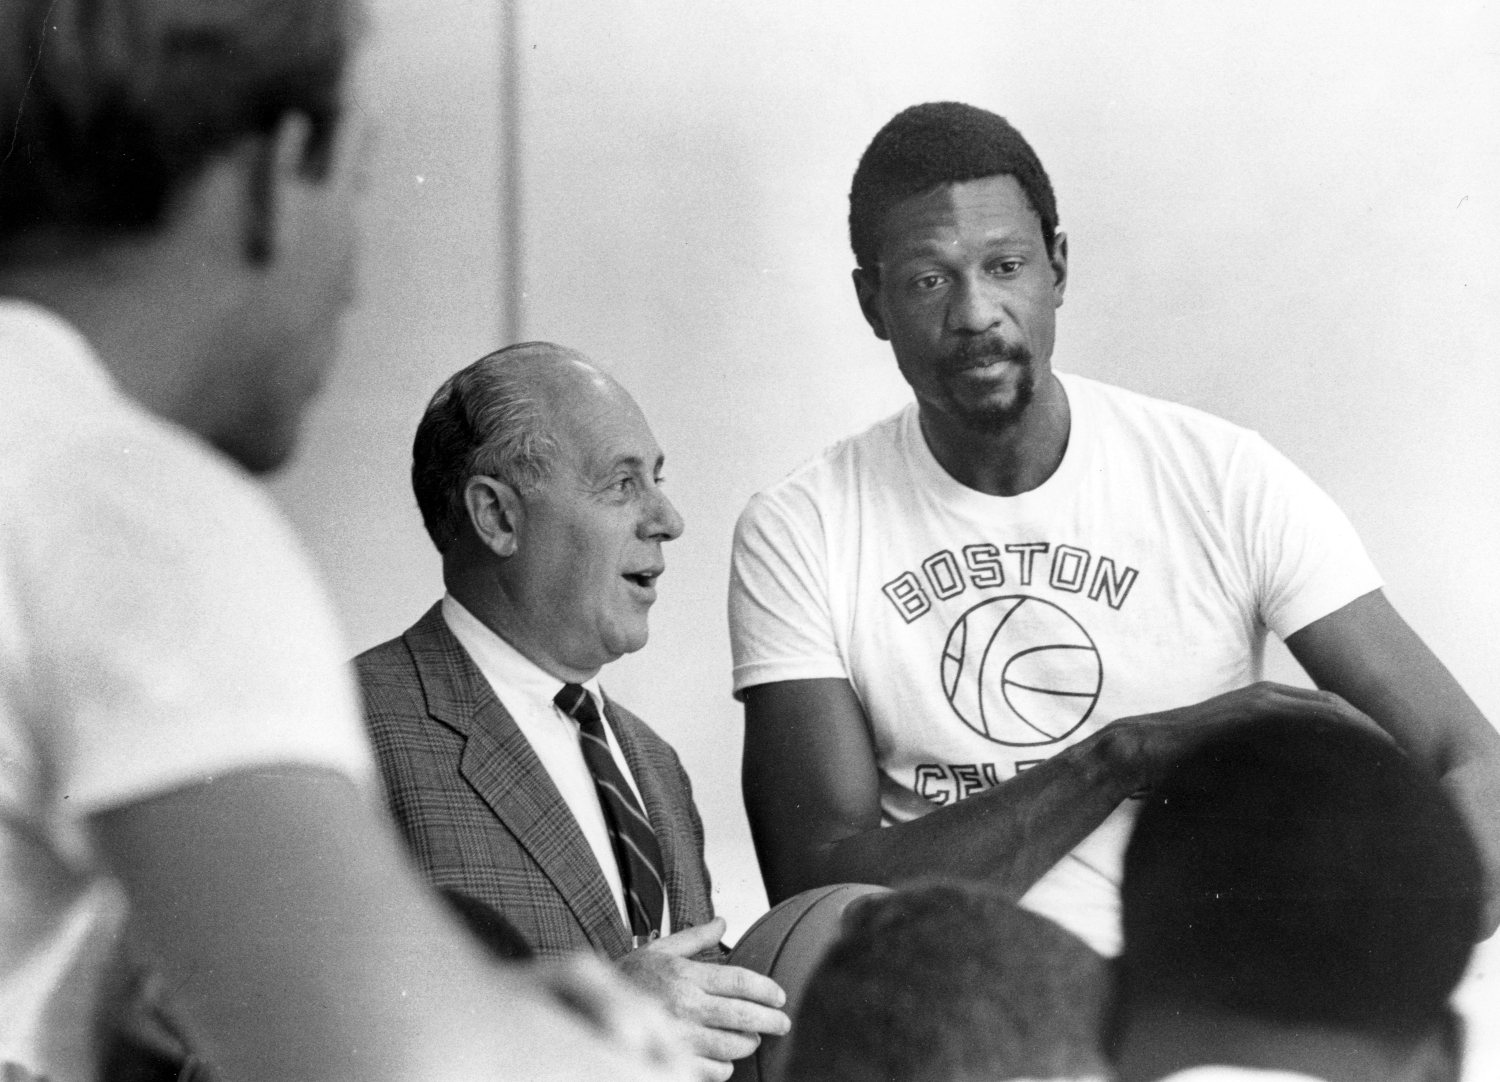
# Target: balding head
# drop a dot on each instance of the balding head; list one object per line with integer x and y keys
{"x": 500, "y": 417}
{"x": 540, "y": 482}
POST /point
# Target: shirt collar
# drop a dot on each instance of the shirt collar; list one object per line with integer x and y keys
{"x": 501, "y": 663}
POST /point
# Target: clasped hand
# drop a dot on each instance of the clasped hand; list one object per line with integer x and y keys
{"x": 1156, "y": 740}
{"x": 724, "y": 1009}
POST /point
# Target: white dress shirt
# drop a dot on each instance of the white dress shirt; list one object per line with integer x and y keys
{"x": 527, "y": 691}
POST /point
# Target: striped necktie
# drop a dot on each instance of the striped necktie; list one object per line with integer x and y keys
{"x": 636, "y": 851}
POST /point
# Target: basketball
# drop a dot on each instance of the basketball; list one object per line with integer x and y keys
{"x": 786, "y": 945}
{"x": 1020, "y": 671}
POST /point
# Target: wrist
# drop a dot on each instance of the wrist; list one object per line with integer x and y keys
{"x": 1119, "y": 755}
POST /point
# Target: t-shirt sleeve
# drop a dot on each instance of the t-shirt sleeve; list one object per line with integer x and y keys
{"x": 176, "y": 631}
{"x": 780, "y": 621}
{"x": 1305, "y": 559}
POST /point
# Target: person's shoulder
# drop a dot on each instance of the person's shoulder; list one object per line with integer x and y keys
{"x": 390, "y": 683}
{"x": 1144, "y": 409}
{"x": 834, "y": 473}
{"x": 167, "y": 588}
{"x": 72, "y": 438}
{"x": 645, "y": 736}
{"x": 186, "y": 527}
{"x": 389, "y": 661}
{"x": 1170, "y": 433}
{"x": 155, "y": 469}
{"x": 848, "y": 455}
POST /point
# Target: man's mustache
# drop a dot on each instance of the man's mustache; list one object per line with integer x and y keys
{"x": 977, "y": 351}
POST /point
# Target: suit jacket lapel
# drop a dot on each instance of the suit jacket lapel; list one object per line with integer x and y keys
{"x": 503, "y": 769}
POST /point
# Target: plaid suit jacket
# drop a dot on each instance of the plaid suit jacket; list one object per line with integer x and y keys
{"x": 481, "y": 815}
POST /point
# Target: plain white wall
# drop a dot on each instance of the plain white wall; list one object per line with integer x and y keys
{"x": 431, "y": 293}
{"x": 1286, "y": 213}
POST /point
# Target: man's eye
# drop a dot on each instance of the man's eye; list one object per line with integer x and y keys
{"x": 927, "y": 282}
{"x": 624, "y": 484}
{"x": 1006, "y": 266}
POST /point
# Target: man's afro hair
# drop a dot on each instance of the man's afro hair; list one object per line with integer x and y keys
{"x": 941, "y": 142}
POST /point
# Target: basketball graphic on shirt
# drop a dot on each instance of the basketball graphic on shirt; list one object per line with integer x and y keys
{"x": 1020, "y": 671}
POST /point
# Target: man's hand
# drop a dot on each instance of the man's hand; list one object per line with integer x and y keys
{"x": 1145, "y": 745}
{"x": 626, "y": 1016}
{"x": 724, "y": 1008}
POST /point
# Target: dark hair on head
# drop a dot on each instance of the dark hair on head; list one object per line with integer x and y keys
{"x": 1302, "y": 873}
{"x": 949, "y": 981}
{"x": 927, "y": 146}
{"x": 113, "y": 107}
{"x": 485, "y": 420}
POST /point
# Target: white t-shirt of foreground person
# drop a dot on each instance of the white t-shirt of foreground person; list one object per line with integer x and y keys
{"x": 159, "y": 628}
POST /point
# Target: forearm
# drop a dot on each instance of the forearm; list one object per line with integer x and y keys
{"x": 1468, "y": 761}
{"x": 299, "y": 947}
{"x": 1475, "y": 788}
{"x": 1010, "y": 835}
{"x": 1369, "y": 655}
{"x": 1014, "y": 833}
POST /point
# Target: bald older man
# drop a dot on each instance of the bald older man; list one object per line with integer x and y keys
{"x": 517, "y": 782}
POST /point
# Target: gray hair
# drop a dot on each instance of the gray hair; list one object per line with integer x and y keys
{"x": 490, "y": 419}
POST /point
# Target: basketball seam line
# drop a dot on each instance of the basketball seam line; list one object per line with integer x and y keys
{"x": 785, "y": 939}
{"x": 1097, "y": 871}
{"x": 1054, "y": 646}
{"x": 983, "y": 660}
{"x": 1047, "y": 691}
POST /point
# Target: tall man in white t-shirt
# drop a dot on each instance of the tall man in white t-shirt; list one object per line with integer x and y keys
{"x": 965, "y": 636}
{"x": 181, "y": 752}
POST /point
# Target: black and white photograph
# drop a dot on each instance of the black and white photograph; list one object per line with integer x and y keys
{"x": 783, "y": 542}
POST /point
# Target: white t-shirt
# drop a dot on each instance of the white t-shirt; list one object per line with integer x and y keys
{"x": 158, "y": 626}
{"x": 983, "y": 634}
{"x": 527, "y": 691}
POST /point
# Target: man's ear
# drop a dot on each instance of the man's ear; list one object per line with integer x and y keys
{"x": 496, "y": 513}
{"x": 273, "y": 162}
{"x": 867, "y": 289}
{"x": 1058, "y": 258}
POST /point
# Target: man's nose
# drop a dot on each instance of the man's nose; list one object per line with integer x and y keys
{"x": 975, "y": 305}
{"x": 662, "y": 521}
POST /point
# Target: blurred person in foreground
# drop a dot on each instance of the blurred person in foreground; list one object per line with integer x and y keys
{"x": 182, "y": 765}
{"x": 950, "y": 982}
{"x": 518, "y": 783}
{"x": 1300, "y": 901}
